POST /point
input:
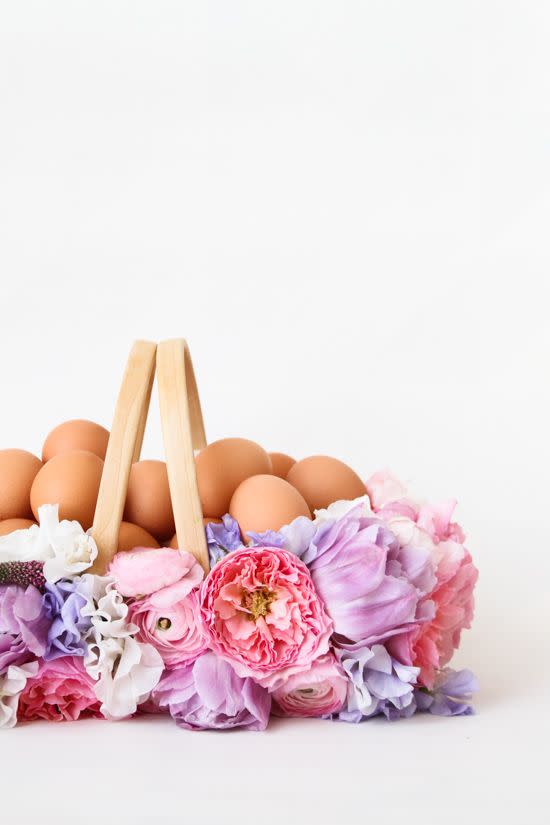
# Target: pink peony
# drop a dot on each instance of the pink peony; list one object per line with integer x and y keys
{"x": 60, "y": 691}
{"x": 429, "y": 646}
{"x": 433, "y": 643}
{"x": 320, "y": 691}
{"x": 143, "y": 570}
{"x": 170, "y": 620}
{"x": 262, "y": 614}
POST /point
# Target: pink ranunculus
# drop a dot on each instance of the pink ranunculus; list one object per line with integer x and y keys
{"x": 144, "y": 570}
{"x": 320, "y": 691}
{"x": 170, "y": 620}
{"x": 262, "y": 614}
{"x": 61, "y": 690}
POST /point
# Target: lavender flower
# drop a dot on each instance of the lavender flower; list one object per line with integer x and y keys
{"x": 377, "y": 684}
{"x": 64, "y": 601}
{"x": 209, "y": 695}
{"x": 222, "y": 539}
{"x": 269, "y": 538}
{"x": 451, "y": 695}
{"x": 24, "y": 625}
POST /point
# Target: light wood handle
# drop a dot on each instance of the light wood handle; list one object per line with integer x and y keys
{"x": 123, "y": 449}
{"x": 183, "y": 431}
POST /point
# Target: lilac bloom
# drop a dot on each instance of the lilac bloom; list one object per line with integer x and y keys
{"x": 64, "y": 601}
{"x": 378, "y": 684}
{"x": 208, "y": 694}
{"x": 451, "y": 695}
{"x": 222, "y": 538}
{"x": 24, "y": 625}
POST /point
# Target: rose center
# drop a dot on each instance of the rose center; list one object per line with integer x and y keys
{"x": 164, "y": 624}
{"x": 257, "y": 602}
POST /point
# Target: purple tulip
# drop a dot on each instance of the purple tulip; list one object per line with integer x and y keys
{"x": 209, "y": 695}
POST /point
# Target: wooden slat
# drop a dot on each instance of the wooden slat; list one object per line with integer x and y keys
{"x": 183, "y": 431}
{"x": 123, "y": 449}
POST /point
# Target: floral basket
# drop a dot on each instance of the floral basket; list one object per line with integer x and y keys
{"x": 351, "y": 614}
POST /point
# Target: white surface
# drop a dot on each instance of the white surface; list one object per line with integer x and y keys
{"x": 345, "y": 208}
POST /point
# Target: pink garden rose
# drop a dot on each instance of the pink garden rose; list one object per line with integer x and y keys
{"x": 320, "y": 691}
{"x": 170, "y": 620}
{"x": 60, "y": 691}
{"x": 262, "y": 614}
{"x": 144, "y": 570}
{"x": 429, "y": 646}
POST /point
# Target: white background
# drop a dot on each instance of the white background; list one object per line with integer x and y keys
{"x": 345, "y": 208}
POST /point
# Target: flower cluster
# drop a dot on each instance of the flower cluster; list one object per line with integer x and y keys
{"x": 349, "y": 615}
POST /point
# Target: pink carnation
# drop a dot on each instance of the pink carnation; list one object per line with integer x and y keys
{"x": 429, "y": 646}
{"x": 170, "y": 620}
{"x": 262, "y": 614}
{"x": 60, "y": 691}
{"x": 320, "y": 691}
{"x": 144, "y": 570}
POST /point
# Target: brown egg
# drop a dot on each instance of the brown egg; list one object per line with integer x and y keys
{"x": 18, "y": 469}
{"x": 131, "y": 535}
{"x": 174, "y": 540}
{"x": 72, "y": 481}
{"x": 148, "y": 501}
{"x": 222, "y": 466}
{"x": 76, "y": 435}
{"x": 322, "y": 480}
{"x": 10, "y": 525}
{"x": 281, "y": 464}
{"x": 266, "y": 502}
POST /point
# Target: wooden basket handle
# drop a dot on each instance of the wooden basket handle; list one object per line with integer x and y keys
{"x": 123, "y": 449}
{"x": 183, "y": 431}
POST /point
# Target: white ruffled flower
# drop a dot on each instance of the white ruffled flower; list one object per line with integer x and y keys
{"x": 125, "y": 671}
{"x": 339, "y": 509}
{"x": 64, "y": 547}
{"x": 108, "y": 610}
{"x": 12, "y": 684}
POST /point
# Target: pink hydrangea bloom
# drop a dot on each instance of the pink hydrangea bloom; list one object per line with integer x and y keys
{"x": 262, "y": 614}
{"x": 143, "y": 570}
{"x": 430, "y": 646}
{"x": 320, "y": 691}
{"x": 60, "y": 691}
{"x": 170, "y": 620}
